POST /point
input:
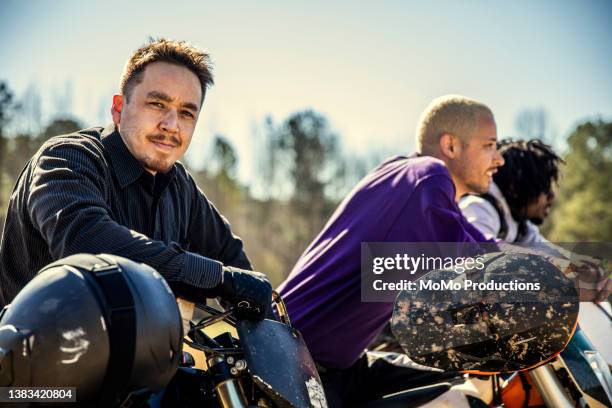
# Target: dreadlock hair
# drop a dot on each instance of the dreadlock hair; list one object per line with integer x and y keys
{"x": 529, "y": 170}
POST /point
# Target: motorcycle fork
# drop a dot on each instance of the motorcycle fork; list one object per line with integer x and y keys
{"x": 227, "y": 388}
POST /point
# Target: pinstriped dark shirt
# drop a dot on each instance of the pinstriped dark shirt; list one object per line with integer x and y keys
{"x": 85, "y": 193}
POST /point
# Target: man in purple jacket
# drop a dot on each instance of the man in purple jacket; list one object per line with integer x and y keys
{"x": 405, "y": 199}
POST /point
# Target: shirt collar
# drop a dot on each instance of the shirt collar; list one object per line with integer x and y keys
{"x": 126, "y": 168}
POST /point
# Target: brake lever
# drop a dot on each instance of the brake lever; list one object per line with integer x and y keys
{"x": 281, "y": 308}
{"x": 198, "y": 336}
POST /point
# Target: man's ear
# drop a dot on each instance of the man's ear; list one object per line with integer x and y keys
{"x": 117, "y": 108}
{"x": 449, "y": 145}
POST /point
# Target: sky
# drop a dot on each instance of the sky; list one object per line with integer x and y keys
{"x": 369, "y": 67}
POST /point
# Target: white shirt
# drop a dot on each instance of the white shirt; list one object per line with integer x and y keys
{"x": 481, "y": 214}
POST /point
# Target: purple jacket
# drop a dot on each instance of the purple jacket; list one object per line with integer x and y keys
{"x": 403, "y": 200}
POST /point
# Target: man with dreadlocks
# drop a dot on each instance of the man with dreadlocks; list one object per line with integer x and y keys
{"x": 521, "y": 195}
{"x": 519, "y": 199}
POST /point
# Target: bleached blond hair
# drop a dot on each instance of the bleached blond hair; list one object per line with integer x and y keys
{"x": 454, "y": 114}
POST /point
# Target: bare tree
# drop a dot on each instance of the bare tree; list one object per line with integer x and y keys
{"x": 63, "y": 99}
{"x": 534, "y": 123}
{"x": 224, "y": 160}
{"x": 31, "y": 112}
{"x": 8, "y": 107}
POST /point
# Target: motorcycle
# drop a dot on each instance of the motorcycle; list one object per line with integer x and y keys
{"x": 101, "y": 330}
{"x": 529, "y": 363}
{"x": 266, "y": 365}
{"x": 578, "y": 377}
{"x": 529, "y": 344}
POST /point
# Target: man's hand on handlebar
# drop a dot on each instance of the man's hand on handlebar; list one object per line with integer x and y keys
{"x": 591, "y": 276}
{"x": 249, "y": 291}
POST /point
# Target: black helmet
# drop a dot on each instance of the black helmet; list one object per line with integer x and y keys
{"x": 516, "y": 313}
{"x": 103, "y": 324}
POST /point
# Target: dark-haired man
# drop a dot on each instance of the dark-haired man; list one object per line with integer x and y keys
{"x": 521, "y": 195}
{"x": 519, "y": 199}
{"x": 121, "y": 190}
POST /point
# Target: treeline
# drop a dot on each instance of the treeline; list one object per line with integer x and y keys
{"x": 583, "y": 210}
{"x": 304, "y": 172}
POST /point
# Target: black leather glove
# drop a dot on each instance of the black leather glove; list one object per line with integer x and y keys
{"x": 249, "y": 291}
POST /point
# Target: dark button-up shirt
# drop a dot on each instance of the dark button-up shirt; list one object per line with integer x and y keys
{"x": 85, "y": 193}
